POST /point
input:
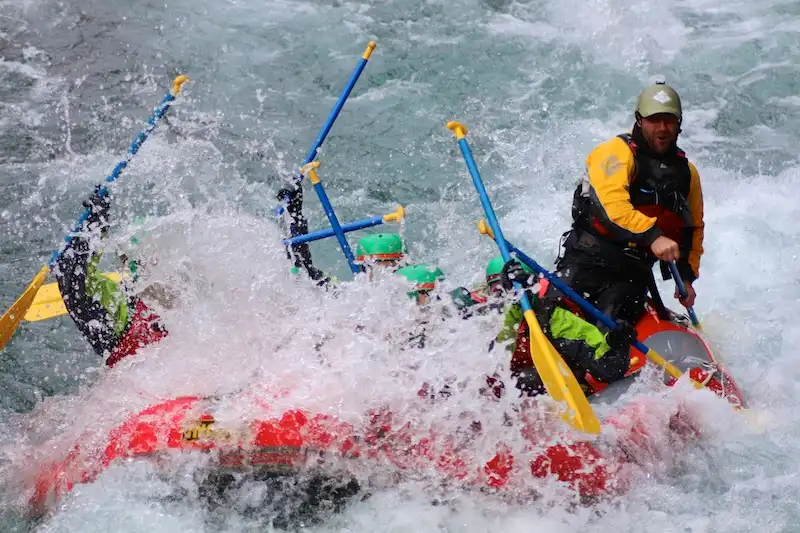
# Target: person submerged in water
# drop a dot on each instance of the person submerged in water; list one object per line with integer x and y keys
{"x": 115, "y": 322}
{"x": 484, "y": 297}
{"x": 422, "y": 280}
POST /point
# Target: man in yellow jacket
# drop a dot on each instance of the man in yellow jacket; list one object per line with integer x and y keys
{"x": 640, "y": 201}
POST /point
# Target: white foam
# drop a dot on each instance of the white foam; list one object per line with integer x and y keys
{"x": 245, "y": 326}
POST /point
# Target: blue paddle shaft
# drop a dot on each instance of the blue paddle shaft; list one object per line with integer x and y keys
{"x": 326, "y": 128}
{"x": 673, "y": 268}
{"x": 325, "y": 233}
{"x": 312, "y": 152}
{"x": 337, "y": 228}
{"x": 162, "y": 108}
{"x": 489, "y": 210}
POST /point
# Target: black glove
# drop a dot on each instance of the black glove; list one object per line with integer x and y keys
{"x": 529, "y": 382}
{"x": 293, "y": 196}
{"x": 98, "y": 206}
{"x": 622, "y": 336}
{"x": 512, "y": 271}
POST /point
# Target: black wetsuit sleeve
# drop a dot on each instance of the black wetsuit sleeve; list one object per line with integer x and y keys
{"x": 92, "y": 319}
{"x": 298, "y": 225}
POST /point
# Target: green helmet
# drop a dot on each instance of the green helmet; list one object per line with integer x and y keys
{"x": 424, "y": 277}
{"x": 380, "y": 247}
{"x": 659, "y": 98}
{"x": 495, "y": 268}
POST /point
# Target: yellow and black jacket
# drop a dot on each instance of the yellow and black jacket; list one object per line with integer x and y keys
{"x": 630, "y": 196}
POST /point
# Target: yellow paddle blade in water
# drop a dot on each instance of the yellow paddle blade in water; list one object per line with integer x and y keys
{"x": 559, "y": 380}
{"x": 11, "y": 319}
{"x": 49, "y": 303}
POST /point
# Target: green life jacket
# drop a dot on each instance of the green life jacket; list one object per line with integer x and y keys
{"x": 563, "y": 325}
{"x": 108, "y": 293}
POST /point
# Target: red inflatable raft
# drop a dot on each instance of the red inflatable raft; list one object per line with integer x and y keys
{"x": 285, "y": 443}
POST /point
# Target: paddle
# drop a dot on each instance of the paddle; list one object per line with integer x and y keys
{"x": 673, "y": 268}
{"x": 12, "y": 318}
{"x": 311, "y": 170}
{"x": 326, "y": 128}
{"x": 557, "y": 377}
{"x": 312, "y": 154}
{"x": 587, "y": 307}
{"x": 398, "y": 215}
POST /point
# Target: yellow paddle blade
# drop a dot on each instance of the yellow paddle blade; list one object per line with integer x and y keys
{"x": 49, "y": 303}
{"x": 559, "y": 380}
{"x": 11, "y": 319}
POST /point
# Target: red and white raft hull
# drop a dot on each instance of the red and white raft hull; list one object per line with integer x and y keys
{"x": 283, "y": 443}
{"x": 685, "y": 348}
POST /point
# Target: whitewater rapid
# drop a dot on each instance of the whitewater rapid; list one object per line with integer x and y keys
{"x": 538, "y": 84}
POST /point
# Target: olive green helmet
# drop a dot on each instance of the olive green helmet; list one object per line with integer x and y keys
{"x": 380, "y": 247}
{"x": 495, "y": 268}
{"x": 423, "y": 277}
{"x": 659, "y": 98}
